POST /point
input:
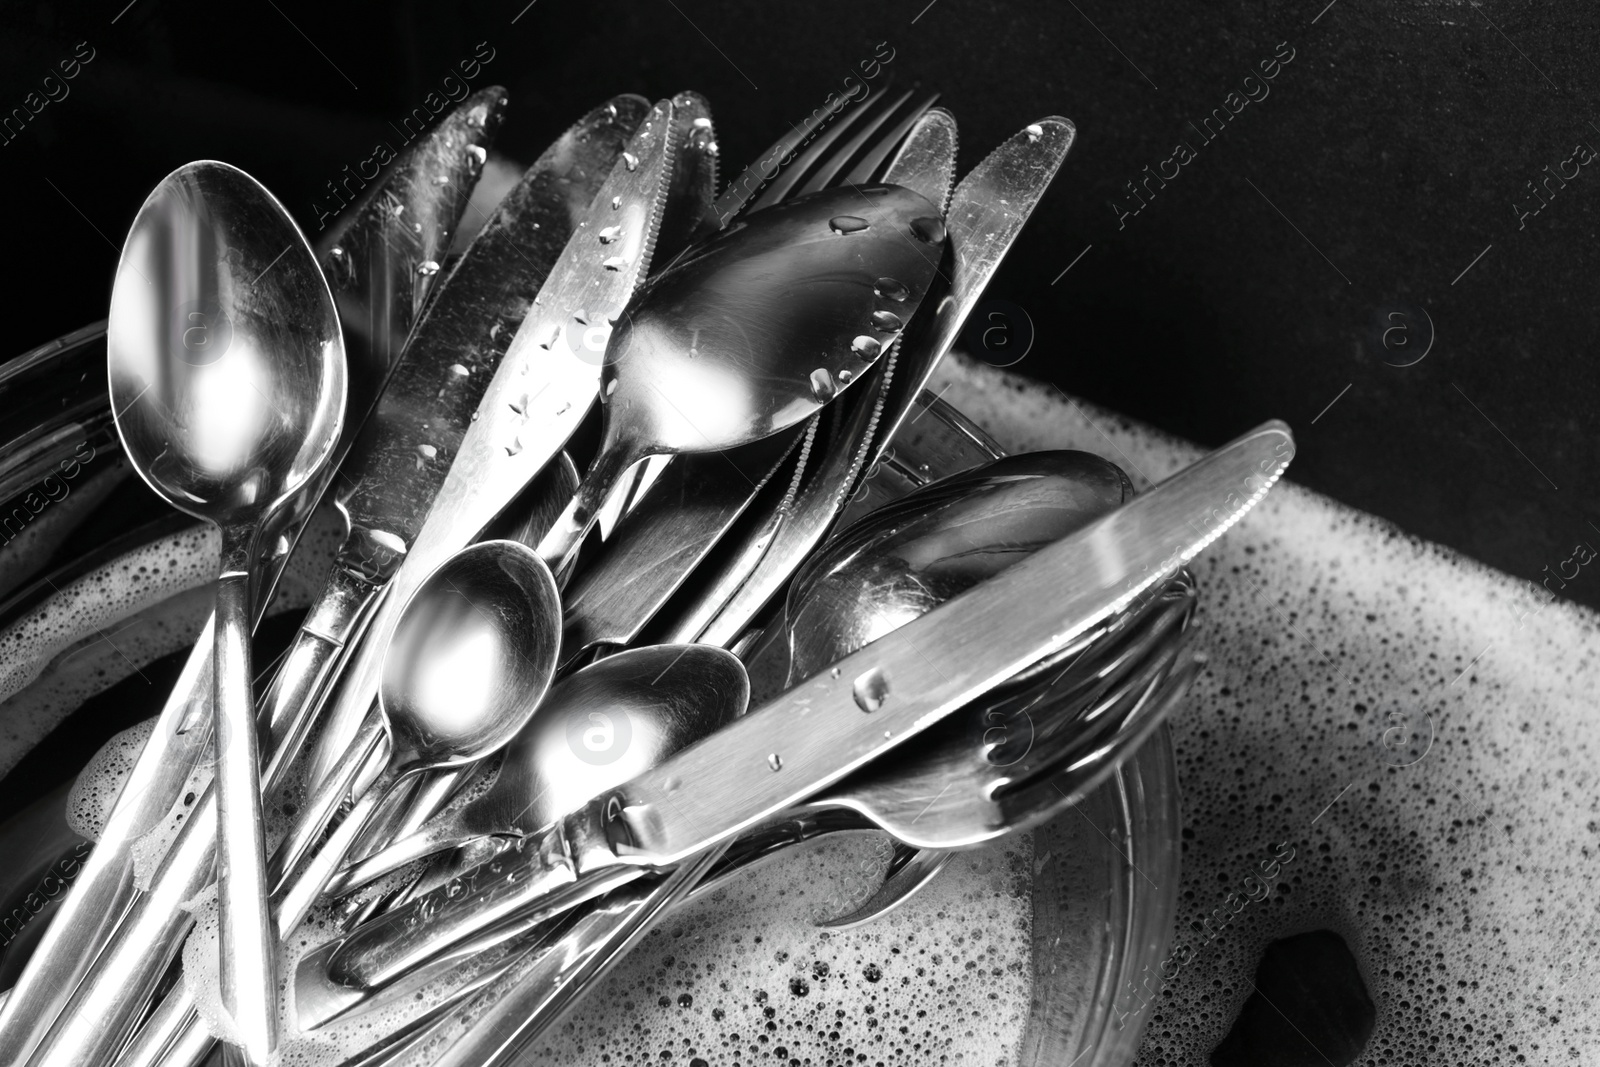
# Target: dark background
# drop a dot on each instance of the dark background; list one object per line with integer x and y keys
{"x": 1385, "y": 162}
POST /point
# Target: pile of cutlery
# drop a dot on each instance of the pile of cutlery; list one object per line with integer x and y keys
{"x": 644, "y": 577}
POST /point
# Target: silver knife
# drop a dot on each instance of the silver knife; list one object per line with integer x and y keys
{"x": 823, "y": 729}
{"x": 987, "y": 211}
{"x": 105, "y": 885}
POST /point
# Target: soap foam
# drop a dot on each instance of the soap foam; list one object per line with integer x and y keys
{"x": 1463, "y": 883}
{"x": 743, "y": 973}
{"x": 95, "y": 790}
{"x": 99, "y": 629}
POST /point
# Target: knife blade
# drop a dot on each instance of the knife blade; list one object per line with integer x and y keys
{"x": 106, "y": 884}
{"x": 810, "y": 737}
{"x": 987, "y": 211}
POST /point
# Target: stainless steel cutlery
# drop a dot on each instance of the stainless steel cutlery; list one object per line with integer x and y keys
{"x": 767, "y": 345}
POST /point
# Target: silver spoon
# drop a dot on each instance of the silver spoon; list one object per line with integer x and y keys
{"x": 754, "y": 331}
{"x": 914, "y": 554}
{"x": 595, "y": 730}
{"x": 472, "y": 655}
{"x": 227, "y": 382}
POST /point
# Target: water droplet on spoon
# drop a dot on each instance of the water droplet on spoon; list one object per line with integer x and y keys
{"x": 928, "y": 229}
{"x": 847, "y": 224}
{"x": 891, "y": 289}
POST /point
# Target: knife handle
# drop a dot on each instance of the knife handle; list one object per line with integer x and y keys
{"x": 542, "y": 876}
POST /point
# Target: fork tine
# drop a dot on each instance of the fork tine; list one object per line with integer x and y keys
{"x": 786, "y": 182}
{"x": 873, "y": 161}
{"x": 827, "y": 173}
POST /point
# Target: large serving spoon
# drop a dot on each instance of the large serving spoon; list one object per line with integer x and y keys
{"x": 227, "y": 382}
{"x": 755, "y": 330}
{"x": 472, "y": 655}
{"x": 595, "y": 730}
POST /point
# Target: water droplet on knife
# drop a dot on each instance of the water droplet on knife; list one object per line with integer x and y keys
{"x": 847, "y": 224}
{"x": 871, "y": 689}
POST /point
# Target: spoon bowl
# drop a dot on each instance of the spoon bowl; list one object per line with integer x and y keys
{"x": 756, "y": 329}
{"x": 912, "y": 555}
{"x": 472, "y": 656}
{"x": 225, "y": 355}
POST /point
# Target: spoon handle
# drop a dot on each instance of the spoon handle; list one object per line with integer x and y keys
{"x": 313, "y": 819}
{"x": 559, "y": 547}
{"x": 249, "y": 952}
{"x": 435, "y": 836}
{"x": 293, "y": 900}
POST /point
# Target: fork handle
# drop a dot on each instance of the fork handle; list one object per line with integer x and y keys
{"x": 435, "y": 836}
